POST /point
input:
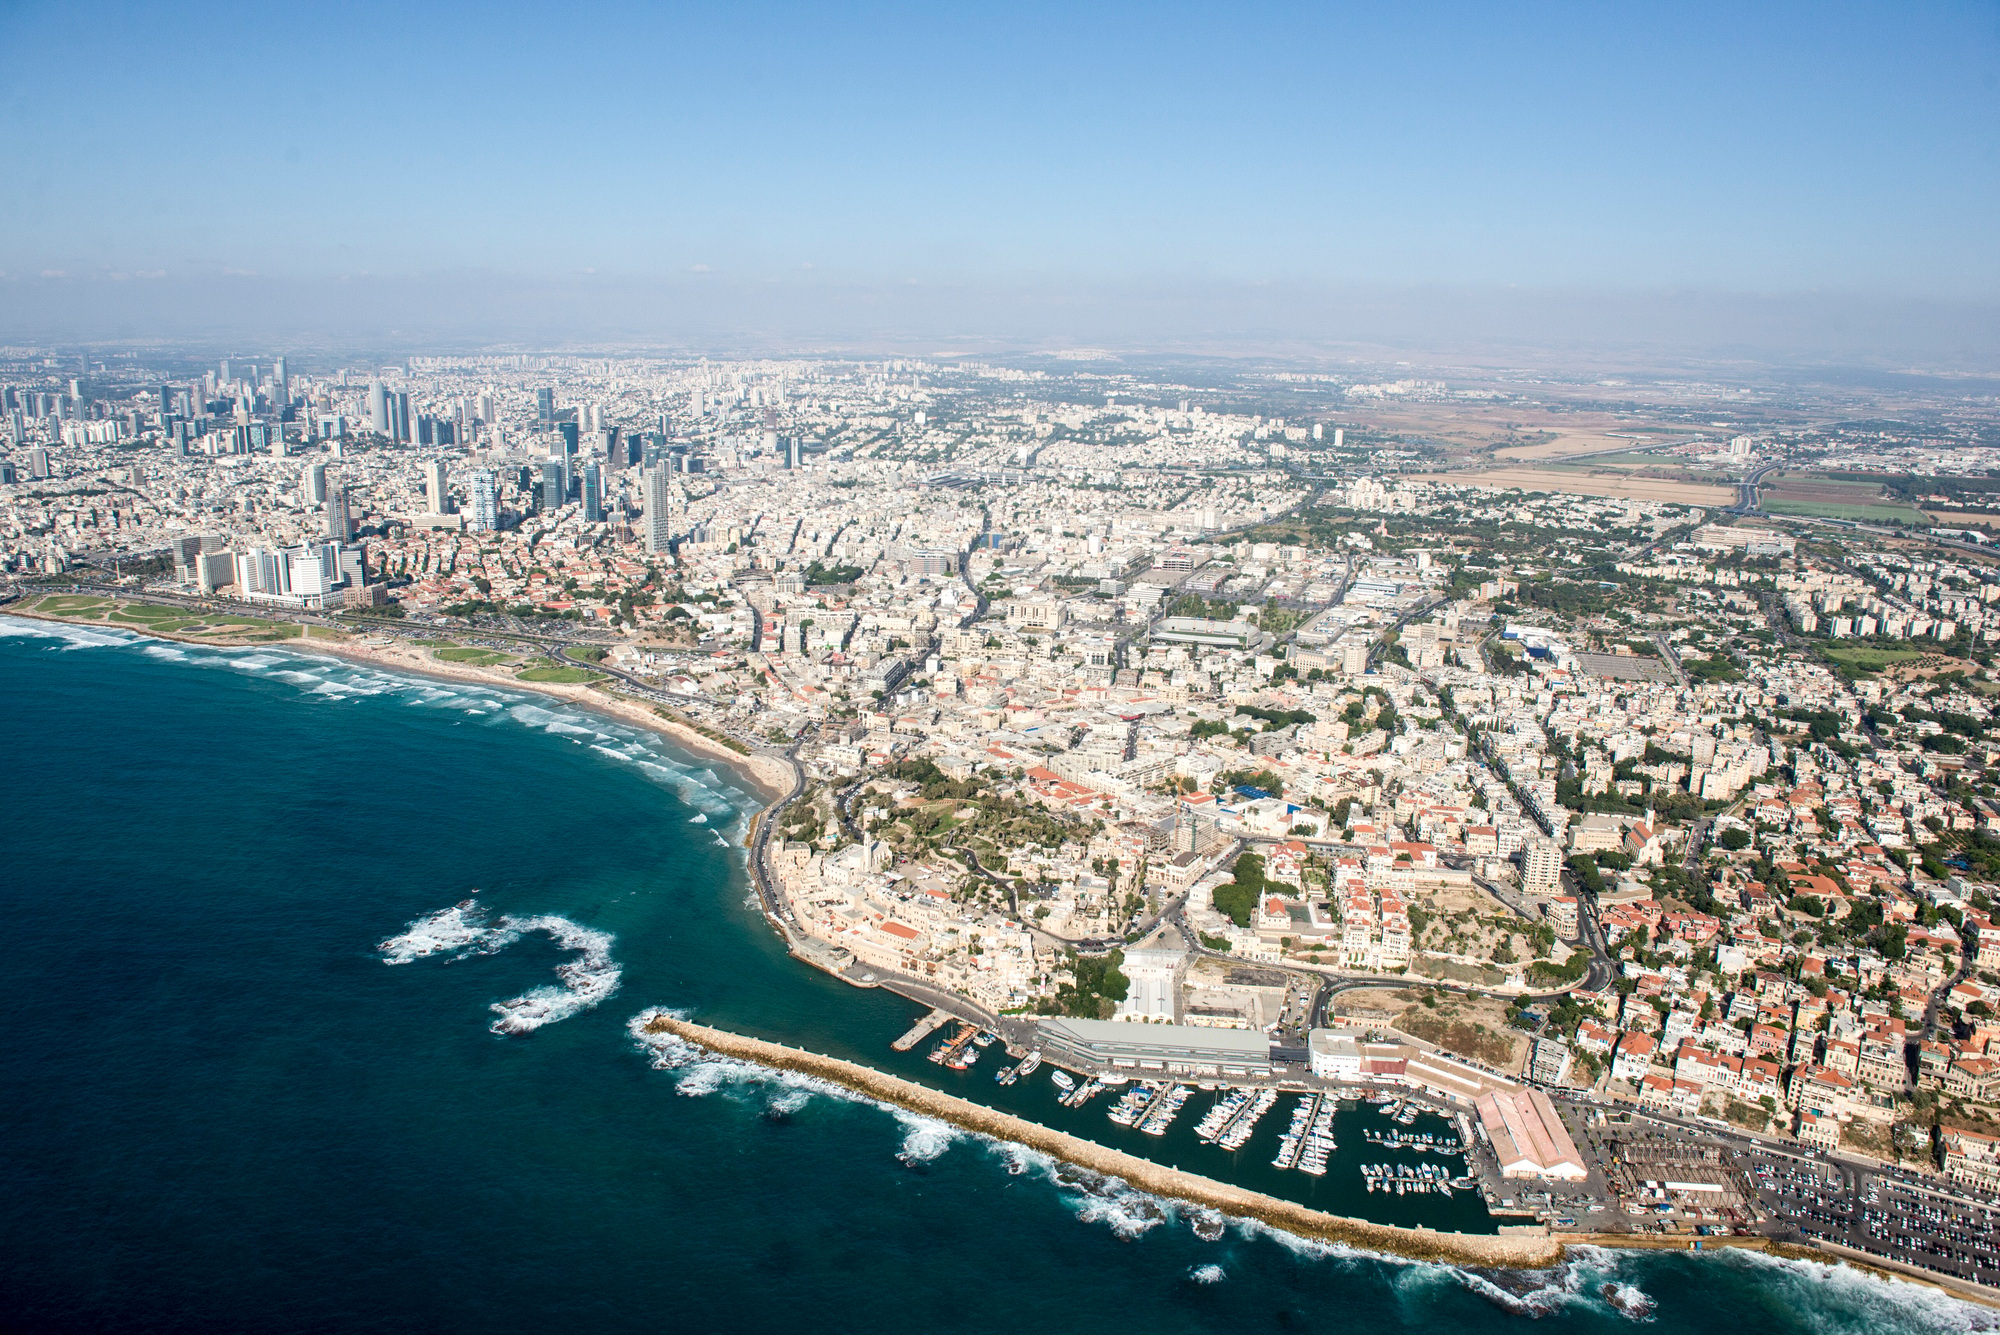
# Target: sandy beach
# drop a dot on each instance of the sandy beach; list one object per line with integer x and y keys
{"x": 770, "y": 775}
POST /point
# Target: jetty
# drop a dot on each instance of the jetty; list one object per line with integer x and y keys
{"x": 1513, "y": 1245}
{"x": 921, "y": 1030}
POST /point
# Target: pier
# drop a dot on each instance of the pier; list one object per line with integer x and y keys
{"x": 921, "y": 1030}
{"x": 1530, "y": 1246}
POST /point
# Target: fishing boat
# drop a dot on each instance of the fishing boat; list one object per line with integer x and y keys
{"x": 1085, "y": 1092}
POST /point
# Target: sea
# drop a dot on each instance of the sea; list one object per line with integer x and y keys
{"x": 326, "y": 991}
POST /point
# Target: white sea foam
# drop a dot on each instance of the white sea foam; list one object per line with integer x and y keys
{"x": 165, "y": 651}
{"x": 1019, "y": 1158}
{"x": 1129, "y": 1214}
{"x": 924, "y": 1138}
{"x": 587, "y": 980}
{"x": 1846, "y": 1301}
{"x": 72, "y": 637}
{"x": 462, "y": 932}
{"x": 1207, "y": 1274}
{"x": 443, "y": 932}
{"x": 701, "y": 1079}
{"x": 1533, "y": 1293}
{"x": 785, "y": 1102}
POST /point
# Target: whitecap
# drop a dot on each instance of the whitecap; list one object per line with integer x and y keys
{"x": 447, "y": 930}
{"x": 1847, "y": 1301}
{"x": 1018, "y": 1158}
{"x": 585, "y": 981}
{"x": 702, "y": 1079}
{"x": 924, "y": 1138}
{"x": 788, "y": 1101}
{"x": 699, "y": 818}
{"x": 1129, "y": 1214}
{"x": 73, "y": 637}
{"x": 165, "y": 651}
{"x": 1207, "y": 1274}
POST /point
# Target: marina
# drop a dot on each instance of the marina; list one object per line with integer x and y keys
{"x": 1319, "y": 1142}
{"x": 958, "y": 1051}
{"x": 1402, "y": 1179}
{"x": 1234, "y": 1118}
{"x": 1164, "y": 1109}
{"x": 1414, "y": 1142}
{"x": 1292, "y": 1144}
{"x": 1028, "y": 1065}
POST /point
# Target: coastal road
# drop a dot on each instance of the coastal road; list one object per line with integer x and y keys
{"x": 775, "y": 907}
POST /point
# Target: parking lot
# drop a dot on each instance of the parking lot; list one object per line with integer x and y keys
{"x": 1885, "y": 1213}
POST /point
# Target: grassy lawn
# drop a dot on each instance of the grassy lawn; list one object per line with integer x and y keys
{"x": 1823, "y": 510}
{"x": 147, "y": 614}
{"x": 473, "y": 657}
{"x": 566, "y": 676}
{"x": 1863, "y": 657}
{"x": 74, "y": 604}
{"x": 169, "y": 620}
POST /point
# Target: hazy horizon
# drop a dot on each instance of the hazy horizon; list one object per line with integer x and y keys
{"x": 1495, "y": 327}
{"x": 1791, "y": 185}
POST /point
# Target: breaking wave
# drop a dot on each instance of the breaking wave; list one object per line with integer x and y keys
{"x": 710, "y": 791}
{"x": 462, "y": 932}
{"x": 447, "y": 930}
{"x": 1846, "y": 1301}
{"x": 1207, "y": 1274}
{"x": 72, "y": 637}
{"x": 924, "y": 1138}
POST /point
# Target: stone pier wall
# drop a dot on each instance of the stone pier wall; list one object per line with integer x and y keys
{"x": 1518, "y": 1247}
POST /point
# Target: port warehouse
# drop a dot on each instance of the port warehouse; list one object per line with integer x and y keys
{"x": 1522, "y": 1125}
{"x": 1165, "y": 1049}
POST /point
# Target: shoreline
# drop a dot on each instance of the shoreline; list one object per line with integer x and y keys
{"x": 768, "y": 777}
{"x": 1529, "y": 1247}
{"x": 1526, "y": 1247}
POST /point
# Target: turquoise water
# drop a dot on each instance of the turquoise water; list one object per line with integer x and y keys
{"x": 227, "y": 1110}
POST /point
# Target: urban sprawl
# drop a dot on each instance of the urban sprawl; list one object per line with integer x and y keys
{"x": 1209, "y": 731}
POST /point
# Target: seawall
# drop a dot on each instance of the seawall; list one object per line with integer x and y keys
{"x": 1515, "y": 1247}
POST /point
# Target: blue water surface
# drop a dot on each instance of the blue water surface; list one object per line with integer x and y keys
{"x": 225, "y": 1110}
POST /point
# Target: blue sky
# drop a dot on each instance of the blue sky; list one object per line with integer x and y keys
{"x": 1742, "y": 148}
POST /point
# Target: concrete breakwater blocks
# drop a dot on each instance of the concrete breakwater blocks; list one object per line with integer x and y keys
{"x": 1522, "y": 1247}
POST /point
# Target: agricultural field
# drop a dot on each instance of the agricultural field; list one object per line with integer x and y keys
{"x": 1582, "y": 483}
{"x": 1819, "y": 497}
{"x": 1875, "y": 514}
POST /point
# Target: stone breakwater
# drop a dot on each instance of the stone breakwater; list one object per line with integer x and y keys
{"x": 1524, "y": 1247}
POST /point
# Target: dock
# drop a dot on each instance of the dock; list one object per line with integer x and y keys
{"x": 1520, "y": 1246}
{"x": 921, "y": 1030}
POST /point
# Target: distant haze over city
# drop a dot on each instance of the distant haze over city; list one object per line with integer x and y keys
{"x": 1791, "y": 185}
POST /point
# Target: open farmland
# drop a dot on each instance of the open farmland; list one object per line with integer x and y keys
{"x": 1591, "y": 484}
